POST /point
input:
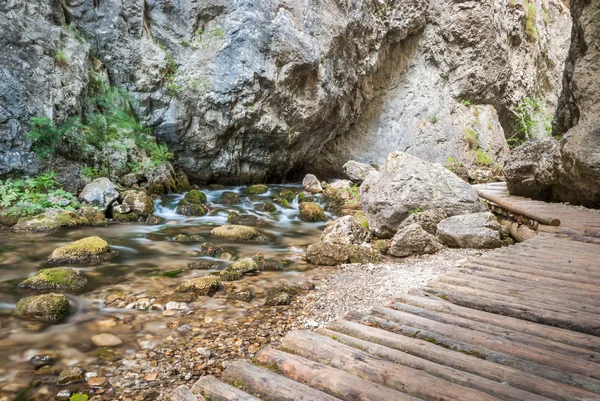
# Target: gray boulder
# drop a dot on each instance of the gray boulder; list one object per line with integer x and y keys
{"x": 530, "y": 169}
{"x": 477, "y": 230}
{"x": 413, "y": 240}
{"x": 327, "y": 254}
{"x": 101, "y": 192}
{"x": 428, "y": 219}
{"x": 407, "y": 184}
{"x": 345, "y": 231}
{"x": 311, "y": 184}
{"x": 356, "y": 171}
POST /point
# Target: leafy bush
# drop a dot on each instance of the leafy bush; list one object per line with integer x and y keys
{"x": 533, "y": 121}
{"x": 27, "y": 196}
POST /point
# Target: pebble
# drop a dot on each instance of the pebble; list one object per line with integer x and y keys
{"x": 70, "y": 375}
{"x": 106, "y": 340}
{"x": 41, "y": 360}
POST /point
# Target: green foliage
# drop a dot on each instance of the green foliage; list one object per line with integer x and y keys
{"x": 75, "y": 31}
{"x": 533, "y": 121}
{"x": 482, "y": 158}
{"x": 93, "y": 173}
{"x": 206, "y": 38}
{"x": 530, "y": 20}
{"x": 61, "y": 59}
{"x": 30, "y": 195}
{"x": 471, "y": 138}
{"x": 451, "y": 160}
{"x": 45, "y": 135}
{"x": 415, "y": 211}
{"x": 79, "y": 397}
{"x": 465, "y": 102}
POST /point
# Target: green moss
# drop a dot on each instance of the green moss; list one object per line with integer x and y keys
{"x": 233, "y": 218}
{"x": 301, "y": 197}
{"x": 46, "y": 307}
{"x": 530, "y": 20}
{"x": 237, "y": 233}
{"x": 59, "y": 278}
{"x": 230, "y": 275}
{"x": 172, "y": 273}
{"x": 86, "y": 250}
{"x": 126, "y": 217}
{"x": 272, "y": 366}
{"x": 471, "y": 138}
{"x": 181, "y": 238}
{"x": 257, "y": 189}
{"x": 51, "y": 220}
{"x": 482, "y": 158}
{"x": 230, "y": 198}
{"x": 288, "y": 195}
{"x": 94, "y": 216}
{"x": 361, "y": 219}
{"x": 270, "y": 207}
{"x": 285, "y": 203}
{"x": 190, "y": 209}
{"x": 195, "y": 196}
{"x": 203, "y": 286}
{"x": 311, "y": 211}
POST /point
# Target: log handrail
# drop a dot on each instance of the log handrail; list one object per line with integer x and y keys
{"x": 549, "y": 221}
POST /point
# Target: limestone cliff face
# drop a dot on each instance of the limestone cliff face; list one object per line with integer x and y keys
{"x": 249, "y": 90}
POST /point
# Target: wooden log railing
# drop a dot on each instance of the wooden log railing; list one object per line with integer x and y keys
{"x": 511, "y": 207}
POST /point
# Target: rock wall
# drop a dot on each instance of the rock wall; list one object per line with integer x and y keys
{"x": 477, "y": 52}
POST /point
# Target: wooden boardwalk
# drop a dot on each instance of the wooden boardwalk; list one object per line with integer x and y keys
{"x": 520, "y": 323}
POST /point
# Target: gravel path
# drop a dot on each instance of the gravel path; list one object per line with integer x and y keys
{"x": 357, "y": 287}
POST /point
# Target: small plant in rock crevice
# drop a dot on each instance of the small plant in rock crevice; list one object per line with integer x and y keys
{"x": 533, "y": 121}
{"x": 61, "y": 59}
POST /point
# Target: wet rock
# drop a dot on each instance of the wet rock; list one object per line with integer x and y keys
{"x": 413, "y": 240}
{"x": 478, "y": 230}
{"x": 190, "y": 209}
{"x": 257, "y": 189}
{"x": 86, "y": 250}
{"x": 265, "y": 207}
{"x": 154, "y": 220}
{"x": 163, "y": 180}
{"x": 202, "y": 286}
{"x": 245, "y": 220}
{"x": 530, "y": 169}
{"x": 46, "y": 308}
{"x": 101, "y": 193}
{"x": 311, "y": 184}
{"x": 106, "y": 340}
{"x": 127, "y": 217}
{"x": 98, "y": 383}
{"x": 237, "y": 269}
{"x": 94, "y": 216}
{"x": 42, "y": 360}
{"x": 50, "y": 220}
{"x": 230, "y": 198}
{"x": 266, "y": 264}
{"x": 204, "y": 265}
{"x": 357, "y": 172}
{"x": 195, "y": 196}
{"x": 57, "y": 278}
{"x": 244, "y": 295}
{"x": 209, "y": 249}
{"x": 312, "y": 212}
{"x": 345, "y": 231}
{"x": 139, "y": 202}
{"x": 428, "y": 219}
{"x": 280, "y": 295}
{"x": 237, "y": 233}
{"x": 407, "y": 183}
{"x": 74, "y": 374}
{"x": 108, "y": 354}
{"x": 327, "y": 254}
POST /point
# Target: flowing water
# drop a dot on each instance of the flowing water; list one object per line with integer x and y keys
{"x": 145, "y": 253}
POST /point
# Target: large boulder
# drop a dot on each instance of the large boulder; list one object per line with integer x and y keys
{"x": 530, "y": 169}
{"x": 101, "y": 193}
{"x": 356, "y": 171}
{"x": 46, "y": 308}
{"x": 311, "y": 211}
{"x": 428, "y": 219}
{"x": 138, "y": 202}
{"x": 85, "y": 250}
{"x": 413, "y": 240}
{"x": 57, "y": 278}
{"x": 237, "y": 233}
{"x": 477, "y": 230}
{"x": 311, "y": 184}
{"x": 345, "y": 231}
{"x": 54, "y": 219}
{"x": 163, "y": 180}
{"x": 408, "y": 184}
{"x": 327, "y": 254}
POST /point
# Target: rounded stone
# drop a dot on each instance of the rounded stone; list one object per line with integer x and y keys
{"x": 86, "y": 250}
{"x": 46, "y": 308}
{"x": 106, "y": 340}
{"x": 57, "y": 278}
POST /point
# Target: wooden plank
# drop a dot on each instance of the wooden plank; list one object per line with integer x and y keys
{"x": 483, "y": 353}
{"x": 333, "y": 381}
{"x": 215, "y": 390}
{"x": 467, "y": 363}
{"x": 398, "y": 377}
{"x": 563, "y": 320}
{"x": 269, "y": 386}
{"x": 495, "y": 331}
{"x": 499, "y": 390}
{"x": 511, "y": 206}
{"x": 422, "y": 299}
{"x": 484, "y": 341}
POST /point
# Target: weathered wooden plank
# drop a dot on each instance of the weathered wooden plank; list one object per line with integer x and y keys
{"x": 563, "y": 320}
{"x": 338, "y": 383}
{"x": 216, "y": 390}
{"x": 567, "y": 351}
{"x": 467, "y": 363}
{"x": 422, "y": 299}
{"x": 269, "y": 386}
{"x": 499, "y": 390}
{"x": 465, "y": 346}
{"x": 515, "y": 208}
{"x": 401, "y": 378}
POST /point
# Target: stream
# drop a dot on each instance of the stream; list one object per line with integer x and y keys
{"x": 149, "y": 266}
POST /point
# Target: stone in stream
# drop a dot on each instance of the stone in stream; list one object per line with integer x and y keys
{"x": 413, "y": 240}
{"x": 237, "y": 233}
{"x": 203, "y": 286}
{"x": 51, "y": 220}
{"x": 41, "y": 360}
{"x": 163, "y": 180}
{"x": 209, "y": 249}
{"x": 257, "y": 189}
{"x": 356, "y": 171}
{"x": 280, "y": 295}
{"x": 195, "y": 196}
{"x": 138, "y": 202}
{"x": 230, "y": 198}
{"x": 50, "y": 308}
{"x": 311, "y": 184}
{"x": 101, "y": 192}
{"x": 312, "y": 212}
{"x": 266, "y": 264}
{"x": 106, "y": 340}
{"x": 245, "y": 220}
{"x": 155, "y": 220}
{"x": 73, "y": 374}
{"x": 237, "y": 269}
{"x": 478, "y": 230}
{"x": 265, "y": 207}
{"x": 86, "y": 250}
{"x": 57, "y": 278}
{"x": 243, "y": 295}
{"x": 190, "y": 209}
{"x": 406, "y": 184}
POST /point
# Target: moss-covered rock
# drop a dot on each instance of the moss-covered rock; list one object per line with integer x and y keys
{"x": 155, "y": 220}
{"x": 245, "y": 220}
{"x": 236, "y": 270}
{"x": 73, "y": 374}
{"x": 266, "y": 264}
{"x": 280, "y": 295}
{"x": 257, "y": 189}
{"x": 266, "y": 207}
{"x": 230, "y": 275}
{"x": 127, "y": 217}
{"x": 139, "y": 202}
{"x": 237, "y": 233}
{"x": 230, "y": 198}
{"x": 311, "y": 211}
{"x": 190, "y": 209}
{"x": 288, "y": 195}
{"x": 209, "y": 249}
{"x": 163, "y": 180}
{"x": 244, "y": 295}
{"x": 86, "y": 250}
{"x": 50, "y": 220}
{"x": 204, "y": 286}
{"x": 195, "y": 196}
{"x": 46, "y": 308}
{"x": 57, "y": 278}
{"x": 94, "y": 216}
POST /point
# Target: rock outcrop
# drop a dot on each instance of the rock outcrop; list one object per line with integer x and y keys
{"x": 408, "y": 184}
{"x": 413, "y": 240}
{"x": 101, "y": 193}
{"x": 477, "y": 230}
